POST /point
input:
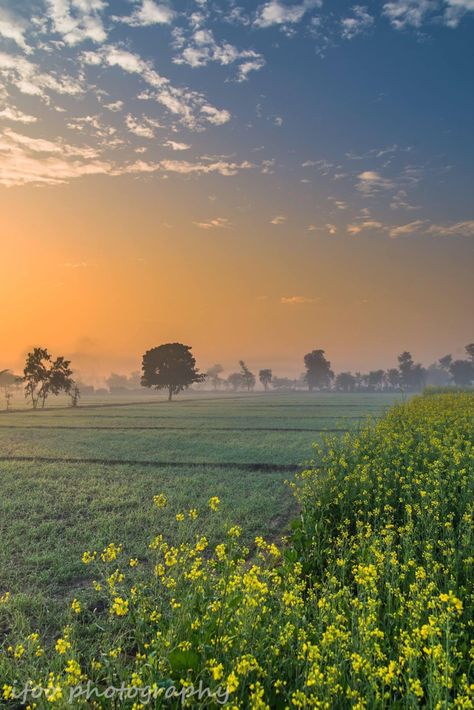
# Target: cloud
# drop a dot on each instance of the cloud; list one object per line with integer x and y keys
{"x": 190, "y": 107}
{"x": 409, "y": 228}
{"x": 184, "y": 167}
{"x": 361, "y": 226}
{"x": 332, "y": 229}
{"x": 176, "y": 146}
{"x": 26, "y": 77}
{"x": 216, "y": 223}
{"x": 142, "y": 130}
{"x": 413, "y": 13}
{"x": 295, "y": 300}
{"x": 279, "y": 219}
{"x": 370, "y": 182}
{"x": 203, "y": 49}
{"x": 275, "y": 12}
{"x": 25, "y": 160}
{"x": 114, "y": 106}
{"x": 14, "y": 28}
{"x": 77, "y": 20}
{"x": 149, "y": 13}
{"x": 359, "y": 23}
{"x": 10, "y": 113}
{"x": 458, "y": 229}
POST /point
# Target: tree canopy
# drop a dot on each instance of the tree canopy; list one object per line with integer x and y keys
{"x": 170, "y": 366}
{"x": 318, "y": 370}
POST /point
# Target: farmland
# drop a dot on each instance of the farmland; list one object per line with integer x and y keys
{"x": 75, "y": 478}
{"x": 370, "y": 604}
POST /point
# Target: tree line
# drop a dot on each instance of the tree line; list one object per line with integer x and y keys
{"x": 172, "y": 367}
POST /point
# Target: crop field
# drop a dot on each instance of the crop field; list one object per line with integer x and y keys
{"x": 72, "y": 478}
{"x": 368, "y": 605}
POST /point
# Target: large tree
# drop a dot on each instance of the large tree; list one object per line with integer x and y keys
{"x": 43, "y": 376}
{"x": 170, "y": 366}
{"x": 318, "y": 370}
{"x": 235, "y": 381}
{"x": 265, "y": 377}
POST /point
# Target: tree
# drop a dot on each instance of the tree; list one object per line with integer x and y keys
{"x": 213, "y": 375}
{"x": 248, "y": 378}
{"x": 43, "y": 376}
{"x": 445, "y": 362}
{"x": 345, "y": 382}
{"x": 265, "y": 377}
{"x": 470, "y": 351}
{"x": 117, "y": 383}
{"x": 393, "y": 378}
{"x": 75, "y": 395}
{"x": 462, "y": 372}
{"x": 318, "y": 370}
{"x": 283, "y": 384}
{"x": 170, "y": 366}
{"x": 235, "y": 380}
{"x": 375, "y": 379}
{"x": 412, "y": 376}
{"x": 7, "y": 381}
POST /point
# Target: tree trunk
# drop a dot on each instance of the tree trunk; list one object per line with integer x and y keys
{"x": 170, "y": 393}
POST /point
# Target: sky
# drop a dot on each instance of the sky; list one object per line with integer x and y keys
{"x": 254, "y": 179}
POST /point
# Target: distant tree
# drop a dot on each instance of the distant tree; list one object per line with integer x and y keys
{"x": 445, "y": 362}
{"x": 43, "y": 376}
{"x": 75, "y": 395}
{"x": 318, "y": 370}
{"x": 462, "y": 372}
{"x": 393, "y": 378}
{"x": 213, "y": 375}
{"x": 170, "y": 366}
{"x": 117, "y": 383}
{"x": 345, "y": 382}
{"x": 265, "y": 377}
{"x": 412, "y": 376}
{"x": 375, "y": 379}
{"x": 235, "y": 380}
{"x": 134, "y": 381}
{"x": 470, "y": 351}
{"x": 248, "y": 378}
{"x": 283, "y": 384}
{"x": 7, "y": 382}
{"x": 437, "y": 376}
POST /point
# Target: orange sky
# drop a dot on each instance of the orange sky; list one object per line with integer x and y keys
{"x": 105, "y": 268}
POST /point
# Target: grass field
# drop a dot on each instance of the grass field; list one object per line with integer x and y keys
{"x": 368, "y": 605}
{"x": 75, "y": 478}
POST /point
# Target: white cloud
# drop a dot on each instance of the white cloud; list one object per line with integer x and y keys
{"x": 14, "y": 28}
{"x": 361, "y": 226}
{"x": 216, "y": 223}
{"x": 25, "y": 160}
{"x": 202, "y": 48}
{"x": 458, "y": 229}
{"x": 114, "y": 106}
{"x": 456, "y": 9}
{"x": 279, "y": 219}
{"x": 184, "y": 167}
{"x": 358, "y": 23}
{"x": 177, "y": 146}
{"x": 142, "y": 130}
{"x": 409, "y": 228}
{"x": 405, "y": 13}
{"x": 26, "y": 77}
{"x": 77, "y": 20}
{"x": 275, "y": 12}
{"x": 332, "y": 229}
{"x": 295, "y": 300}
{"x": 370, "y": 182}
{"x": 190, "y": 106}
{"x": 149, "y": 13}
{"x": 10, "y": 113}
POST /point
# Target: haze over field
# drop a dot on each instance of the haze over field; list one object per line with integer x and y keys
{"x": 253, "y": 179}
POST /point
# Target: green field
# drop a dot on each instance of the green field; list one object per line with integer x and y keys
{"x": 72, "y": 479}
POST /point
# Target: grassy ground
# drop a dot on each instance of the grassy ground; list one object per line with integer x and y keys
{"x": 64, "y": 486}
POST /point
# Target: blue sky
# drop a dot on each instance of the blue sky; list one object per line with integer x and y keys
{"x": 312, "y": 130}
